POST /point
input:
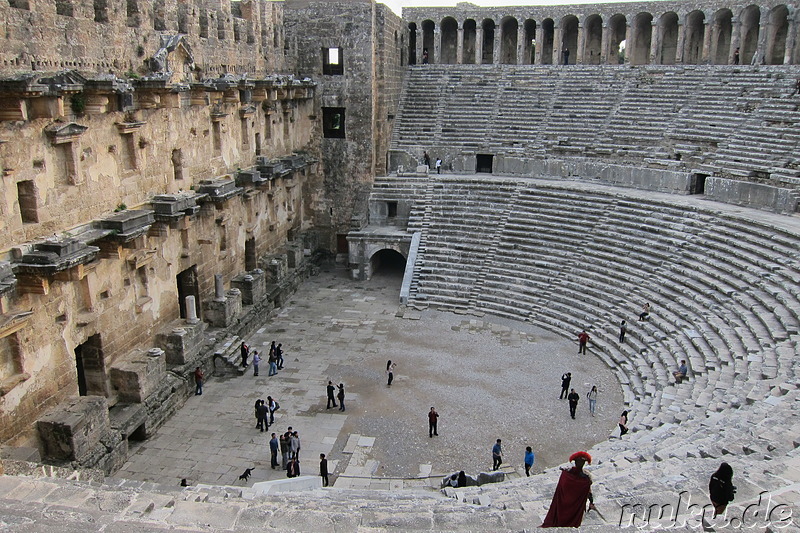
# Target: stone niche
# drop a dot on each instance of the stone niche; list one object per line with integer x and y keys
{"x": 252, "y": 284}
{"x": 138, "y": 374}
{"x": 71, "y": 430}
{"x": 181, "y": 341}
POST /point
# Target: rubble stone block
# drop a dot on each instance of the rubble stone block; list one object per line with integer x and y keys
{"x": 71, "y": 429}
{"x": 253, "y": 286}
{"x": 221, "y": 314}
{"x": 137, "y": 375}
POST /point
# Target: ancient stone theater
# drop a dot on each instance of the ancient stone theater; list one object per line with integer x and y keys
{"x": 176, "y": 174}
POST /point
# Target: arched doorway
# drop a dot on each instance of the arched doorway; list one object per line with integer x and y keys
{"x": 617, "y": 27}
{"x": 776, "y": 38}
{"x": 642, "y": 35}
{"x": 468, "y": 52}
{"x": 668, "y": 36}
{"x": 529, "y": 54}
{"x": 723, "y": 28}
{"x": 749, "y": 34}
{"x": 593, "y": 39}
{"x": 509, "y": 29}
{"x": 388, "y": 263}
{"x": 548, "y": 30}
{"x": 412, "y": 44}
{"x": 487, "y": 54}
{"x": 694, "y": 35}
{"x": 449, "y": 39}
{"x": 569, "y": 40}
{"x": 427, "y": 39}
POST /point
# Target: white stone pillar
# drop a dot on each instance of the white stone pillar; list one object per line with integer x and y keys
{"x": 537, "y": 59}
{"x": 679, "y": 49}
{"x": 436, "y": 53}
{"x": 557, "y": 47}
{"x": 478, "y": 44}
{"x": 581, "y": 44}
{"x": 460, "y": 45}
{"x": 219, "y": 288}
{"x": 706, "y": 57}
{"x": 497, "y": 44}
{"x": 605, "y": 42}
{"x": 191, "y": 311}
{"x": 521, "y": 44}
{"x": 655, "y": 44}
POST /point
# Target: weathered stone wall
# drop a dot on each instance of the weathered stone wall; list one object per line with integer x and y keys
{"x": 236, "y": 37}
{"x": 365, "y": 31}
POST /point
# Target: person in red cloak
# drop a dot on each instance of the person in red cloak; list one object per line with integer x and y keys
{"x": 569, "y": 501}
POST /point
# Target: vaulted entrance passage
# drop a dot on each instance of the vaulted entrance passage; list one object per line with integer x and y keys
{"x": 91, "y": 367}
{"x": 529, "y": 52}
{"x": 593, "y": 32}
{"x": 721, "y": 36}
{"x": 483, "y": 163}
{"x": 668, "y": 33}
{"x": 470, "y": 33}
{"x": 617, "y": 26}
{"x": 449, "y": 39}
{"x": 388, "y": 263}
{"x": 694, "y": 35}
{"x": 749, "y": 22}
{"x": 412, "y": 44}
{"x": 509, "y": 28}
{"x": 548, "y": 31}
{"x": 642, "y": 31}
{"x": 487, "y": 48}
{"x": 187, "y": 286}
{"x": 569, "y": 39}
{"x": 776, "y": 38}
{"x": 427, "y": 40}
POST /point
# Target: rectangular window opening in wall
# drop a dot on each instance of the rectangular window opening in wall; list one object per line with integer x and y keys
{"x": 64, "y": 8}
{"x": 391, "y": 209}
{"x": 245, "y": 134}
{"x": 203, "y": 23}
{"x": 132, "y": 12}
{"x": 91, "y": 368}
{"x": 223, "y": 237}
{"x": 258, "y": 144}
{"x": 177, "y": 164}
{"x": 101, "y": 11}
{"x": 216, "y": 137}
{"x": 183, "y": 18}
{"x": 26, "y": 195}
{"x": 333, "y": 122}
{"x": 268, "y": 126}
{"x": 483, "y": 163}
{"x": 332, "y": 61}
{"x": 128, "y": 151}
{"x": 10, "y": 357}
{"x": 287, "y": 119}
{"x": 19, "y": 4}
{"x": 159, "y": 22}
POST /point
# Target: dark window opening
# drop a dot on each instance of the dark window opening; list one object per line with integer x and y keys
{"x": 250, "y": 256}
{"x": 391, "y": 208}
{"x": 138, "y": 435}
{"x": 203, "y": 23}
{"x": 19, "y": 4}
{"x": 188, "y": 286}
{"x": 483, "y": 163}
{"x": 132, "y": 12}
{"x": 333, "y": 122}
{"x": 177, "y": 164}
{"x": 699, "y": 184}
{"x": 100, "y": 11}
{"x": 26, "y": 196}
{"x": 342, "y": 247}
{"x": 91, "y": 368}
{"x": 64, "y": 7}
{"x": 159, "y": 21}
{"x": 332, "y": 63}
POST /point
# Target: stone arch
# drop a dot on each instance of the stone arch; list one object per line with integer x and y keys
{"x": 722, "y": 31}
{"x": 387, "y": 260}
{"x": 449, "y": 41}
{"x": 509, "y": 34}
{"x": 470, "y": 36}
{"x": 668, "y": 38}
{"x": 749, "y": 20}
{"x": 487, "y": 46}
{"x": 593, "y": 39}
{"x": 694, "y": 32}
{"x": 412, "y": 43}
{"x": 778, "y": 30}
{"x": 617, "y": 27}
{"x": 569, "y": 38}
{"x": 428, "y": 28}
{"x": 641, "y": 35}
{"x": 548, "y": 36}
{"x": 529, "y": 52}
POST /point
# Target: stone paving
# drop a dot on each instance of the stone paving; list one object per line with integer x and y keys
{"x": 488, "y": 378}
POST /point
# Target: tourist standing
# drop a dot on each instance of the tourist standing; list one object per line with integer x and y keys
{"x": 736, "y": 56}
{"x": 623, "y": 423}
{"x": 573, "y": 402}
{"x": 426, "y": 159}
{"x": 438, "y": 165}
{"x": 583, "y": 340}
{"x": 425, "y": 57}
{"x": 198, "y": 381}
{"x": 340, "y": 396}
{"x": 283, "y": 443}
{"x": 273, "y": 363}
{"x": 272, "y": 406}
{"x": 529, "y": 459}
{"x": 294, "y": 446}
{"x": 497, "y": 454}
{"x": 256, "y": 360}
{"x": 262, "y": 411}
{"x": 274, "y": 446}
{"x": 573, "y": 489}
{"x": 390, "y": 371}
{"x": 433, "y": 421}
{"x": 623, "y": 329}
{"x": 592, "y": 397}
{"x": 323, "y": 469}
{"x": 279, "y": 356}
{"x": 565, "y": 54}
{"x": 565, "y": 379}
{"x": 331, "y": 391}
{"x": 244, "y": 350}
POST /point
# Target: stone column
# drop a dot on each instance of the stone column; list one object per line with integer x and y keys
{"x": 679, "y": 50}
{"x": 219, "y": 289}
{"x": 521, "y": 60}
{"x": 478, "y": 44}
{"x": 537, "y": 59}
{"x": 605, "y": 42}
{"x": 791, "y": 40}
{"x": 460, "y": 45}
{"x": 628, "y": 43}
{"x": 655, "y": 44}
{"x": 420, "y": 40}
{"x": 436, "y": 53}
{"x": 706, "y": 58}
{"x": 736, "y": 39}
{"x": 191, "y": 311}
{"x": 557, "y": 47}
{"x": 498, "y": 34}
{"x": 764, "y": 27}
{"x": 581, "y": 45}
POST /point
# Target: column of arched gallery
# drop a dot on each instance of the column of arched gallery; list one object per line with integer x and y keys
{"x": 592, "y": 40}
{"x": 777, "y": 32}
{"x": 748, "y": 33}
{"x": 795, "y": 37}
{"x": 721, "y": 32}
{"x": 617, "y": 28}
{"x": 412, "y": 44}
{"x": 641, "y": 37}
{"x": 569, "y": 40}
{"x": 487, "y": 44}
{"x": 694, "y": 37}
{"x": 529, "y": 51}
{"x": 428, "y": 40}
{"x": 509, "y": 31}
{"x": 667, "y": 38}
{"x": 449, "y": 41}
{"x": 470, "y": 40}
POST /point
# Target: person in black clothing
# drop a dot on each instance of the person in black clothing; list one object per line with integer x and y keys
{"x": 565, "y": 379}
{"x": 244, "y": 349}
{"x": 573, "y": 402}
{"x": 340, "y": 396}
{"x": 721, "y": 489}
{"x": 279, "y": 355}
{"x": 323, "y": 469}
{"x": 331, "y": 398}
{"x": 262, "y": 411}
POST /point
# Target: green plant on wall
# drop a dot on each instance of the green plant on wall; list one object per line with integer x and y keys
{"x": 78, "y": 103}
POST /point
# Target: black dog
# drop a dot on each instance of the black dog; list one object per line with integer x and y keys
{"x": 246, "y": 475}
